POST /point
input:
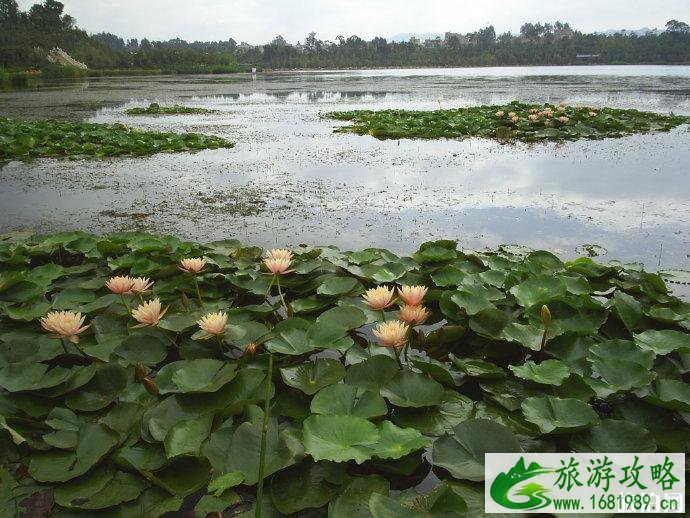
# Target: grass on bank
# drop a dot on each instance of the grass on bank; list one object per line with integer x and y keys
{"x": 32, "y": 78}
{"x": 157, "y": 109}
{"x": 516, "y": 120}
{"x": 518, "y": 351}
{"x": 56, "y": 138}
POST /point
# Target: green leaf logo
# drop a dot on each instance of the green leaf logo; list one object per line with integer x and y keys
{"x": 535, "y": 493}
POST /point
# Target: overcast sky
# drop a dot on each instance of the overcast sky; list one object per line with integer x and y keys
{"x": 259, "y": 21}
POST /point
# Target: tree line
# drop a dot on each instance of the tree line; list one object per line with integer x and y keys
{"x": 25, "y": 38}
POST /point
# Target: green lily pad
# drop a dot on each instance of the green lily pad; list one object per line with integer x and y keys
{"x": 104, "y": 387}
{"x": 409, "y": 389}
{"x": 436, "y": 420}
{"x": 614, "y": 436}
{"x": 548, "y": 372}
{"x": 395, "y": 442}
{"x": 538, "y": 290}
{"x": 302, "y": 487}
{"x": 94, "y": 443}
{"x": 312, "y": 377}
{"x": 462, "y": 453}
{"x": 663, "y": 342}
{"x": 671, "y": 394}
{"x": 621, "y": 364}
{"x": 353, "y": 502}
{"x": 339, "y": 438}
{"x": 200, "y": 375}
{"x": 372, "y": 373}
{"x": 186, "y": 437}
{"x": 478, "y": 368}
{"x": 290, "y": 337}
{"x": 99, "y": 490}
{"x": 556, "y": 415}
{"x": 342, "y": 399}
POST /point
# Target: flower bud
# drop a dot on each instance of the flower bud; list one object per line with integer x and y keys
{"x": 150, "y": 386}
{"x": 139, "y": 372}
{"x": 250, "y": 350}
{"x": 545, "y": 315}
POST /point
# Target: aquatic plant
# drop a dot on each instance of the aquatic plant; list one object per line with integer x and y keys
{"x": 57, "y": 138}
{"x": 135, "y": 413}
{"x": 518, "y": 121}
{"x": 157, "y": 109}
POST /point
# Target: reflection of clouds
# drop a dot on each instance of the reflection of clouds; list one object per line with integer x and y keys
{"x": 629, "y": 195}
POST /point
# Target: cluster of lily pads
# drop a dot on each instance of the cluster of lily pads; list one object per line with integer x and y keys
{"x": 197, "y": 376}
{"x": 157, "y": 109}
{"x": 58, "y": 138}
{"x": 516, "y": 120}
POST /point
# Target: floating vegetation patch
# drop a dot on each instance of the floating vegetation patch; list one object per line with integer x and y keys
{"x": 57, "y": 138}
{"x": 516, "y": 120}
{"x": 138, "y": 370}
{"x": 157, "y": 109}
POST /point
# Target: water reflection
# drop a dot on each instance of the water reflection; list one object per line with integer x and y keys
{"x": 292, "y": 180}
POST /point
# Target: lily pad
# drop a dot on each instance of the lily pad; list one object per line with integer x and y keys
{"x": 556, "y": 415}
{"x": 462, "y": 453}
{"x": 342, "y": 399}
{"x": 548, "y": 372}
{"x": 409, "y": 389}
{"x": 189, "y": 376}
{"x": 312, "y": 377}
{"x": 339, "y": 438}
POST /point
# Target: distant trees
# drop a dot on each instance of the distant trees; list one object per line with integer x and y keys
{"x": 25, "y": 38}
{"x": 9, "y": 11}
{"x": 676, "y": 26}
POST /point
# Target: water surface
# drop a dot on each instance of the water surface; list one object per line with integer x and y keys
{"x": 291, "y": 180}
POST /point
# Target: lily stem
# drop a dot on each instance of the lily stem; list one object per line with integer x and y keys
{"x": 264, "y": 434}
{"x": 124, "y": 303}
{"x": 282, "y": 300}
{"x": 198, "y": 293}
{"x": 398, "y": 350}
{"x": 543, "y": 338}
{"x": 220, "y": 345}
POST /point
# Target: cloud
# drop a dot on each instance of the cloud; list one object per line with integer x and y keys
{"x": 258, "y": 21}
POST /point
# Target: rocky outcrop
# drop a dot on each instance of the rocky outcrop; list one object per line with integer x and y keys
{"x": 61, "y": 57}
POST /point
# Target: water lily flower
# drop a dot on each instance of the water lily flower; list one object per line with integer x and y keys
{"x": 413, "y": 315}
{"x": 562, "y": 104}
{"x": 391, "y": 334}
{"x": 141, "y": 285}
{"x": 193, "y": 265}
{"x": 514, "y": 119}
{"x": 563, "y": 120}
{"x": 512, "y": 114}
{"x": 561, "y": 108}
{"x": 500, "y": 113}
{"x": 278, "y": 265}
{"x": 279, "y": 253}
{"x": 412, "y": 295}
{"x": 534, "y": 110}
{"x": 534, "y": 117}
{"x": 120, "y": 284}
{"x": 149, "y": 313}
{"x": 379, "y": 298}
{"x": 593, "y": 114}
{"x": 213, "y": 324}
{"x": 547, "y": 124}
{"x": 64, "y": 324}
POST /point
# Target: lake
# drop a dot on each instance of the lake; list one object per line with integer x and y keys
{"x": 291, "y": 180}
